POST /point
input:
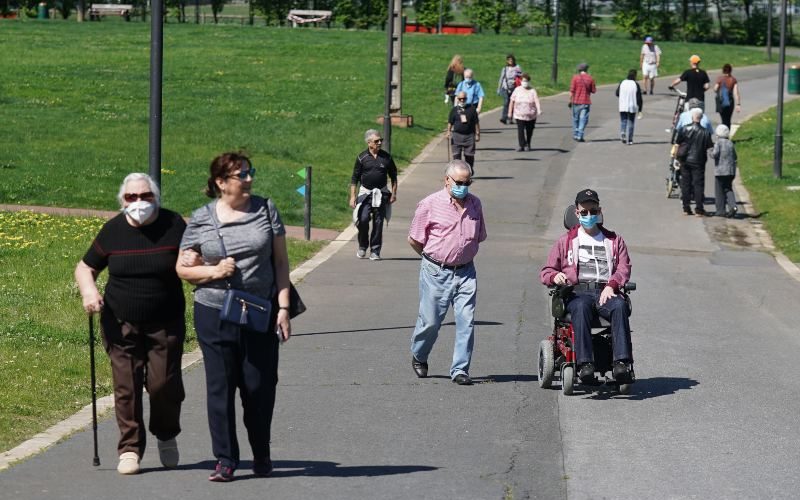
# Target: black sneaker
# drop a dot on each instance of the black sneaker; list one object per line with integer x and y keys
{"x": 621, "y": 372}
{"x": 586, "y": 373}
{"x": 262, "y": 467}
{"x": 222, "y": 474}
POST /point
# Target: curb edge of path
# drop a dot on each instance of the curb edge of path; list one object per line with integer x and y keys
{"x": 83, "y": 418}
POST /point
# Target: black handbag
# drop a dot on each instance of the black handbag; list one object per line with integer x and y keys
{"x": 241, "y": 308}
{"x": 296, "y": 305}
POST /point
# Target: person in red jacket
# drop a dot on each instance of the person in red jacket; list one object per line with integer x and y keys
{"x": 595, "y": 262}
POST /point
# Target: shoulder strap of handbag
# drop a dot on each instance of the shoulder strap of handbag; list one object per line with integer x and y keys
{"x": 219, "y": 236}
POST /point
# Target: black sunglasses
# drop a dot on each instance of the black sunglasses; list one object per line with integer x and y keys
{"x": 146, "y": 196}
{"x": 467, "y": 182}
{"x": 242, "y": 175}
{"x": 592, "y": 211}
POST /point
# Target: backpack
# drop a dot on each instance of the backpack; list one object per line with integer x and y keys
{"x": 725, "y": 96}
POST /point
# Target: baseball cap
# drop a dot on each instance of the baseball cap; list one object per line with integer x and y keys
{"x": 648, "y": 39}
{"x": 583, "y": 67}
{"x": 694, "y": 59}
{"x": 586, "y": 195}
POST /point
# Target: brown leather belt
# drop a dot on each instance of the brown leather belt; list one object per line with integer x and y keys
{"x": 442, "y": 265}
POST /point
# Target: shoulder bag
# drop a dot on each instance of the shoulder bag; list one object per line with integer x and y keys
{"x": 241, "y": 308}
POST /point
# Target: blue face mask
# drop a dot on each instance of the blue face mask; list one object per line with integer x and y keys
{"x": 459, "y": 192}
{"x": 588, "y": 221}
{"x": 467, "y": 80}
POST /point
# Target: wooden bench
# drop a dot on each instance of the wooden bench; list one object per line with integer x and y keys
{"x": 296, "y": 16}
{"x": 98, "y": 10}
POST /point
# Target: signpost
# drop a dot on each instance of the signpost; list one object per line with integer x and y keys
{"x": 305, "y": 192}
{"x": 156, "y": 66}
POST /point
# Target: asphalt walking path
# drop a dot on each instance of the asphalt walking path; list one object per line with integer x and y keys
{"x": 715, "y": 342}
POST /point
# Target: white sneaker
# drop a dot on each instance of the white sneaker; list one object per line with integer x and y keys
{"x": 374, "y": 256}
{"x": 168, "y": 452}
{"x": 362, "y": 253}
{"x": 128, "y": 463}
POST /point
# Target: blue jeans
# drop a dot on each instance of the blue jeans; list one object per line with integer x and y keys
{"x": 580, "y": 117}
{"x": 506, "y": 100}
{"x": 582, "y": 306}
{"x": 438, "y": 288}
{"x": 626, "y": 123}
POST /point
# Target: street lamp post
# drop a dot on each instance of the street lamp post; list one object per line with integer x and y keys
{"x": 769, "y": 30}
{"x": 156, "y": 66}
{"x": 777, "y": 164}
{"x": 441, "y": 15}
{"x": 387, "y": 99}
{"x": 554, "y": 71}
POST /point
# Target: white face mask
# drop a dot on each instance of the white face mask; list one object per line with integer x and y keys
{"x": 140, "y": 211}
{"x": 526, "y": 84}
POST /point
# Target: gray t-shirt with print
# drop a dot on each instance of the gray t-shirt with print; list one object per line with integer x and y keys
{"x": 248, "y": 240}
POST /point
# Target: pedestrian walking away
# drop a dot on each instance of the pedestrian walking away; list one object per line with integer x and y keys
{"x": 696, "y": 79}
{"x": 463, "y": 131}
{"x": 455, "y": 73}
{"x": 525, "y": 108}
{"x": 581, "y": 89}
{"x": 447, "y": 228}
{"x": 728, "y": 98}
{"x": 595, "y": 262}
{"x": 510, "y": 79}
{"x": 473, "y": 89}
{"x": 630, "y": 104}
{"x": 649, "y": 61}
{"x": 693, "y": 164}
{"x": 724, "y": 154}
{"x": 370, "y": 195}
{"x": 141, "y": 316}
{"x": 237, "y": 243}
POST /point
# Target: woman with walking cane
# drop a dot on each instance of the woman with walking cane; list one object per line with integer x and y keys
{"x": 141, "y": 317}
{"x": 234, "y": 250}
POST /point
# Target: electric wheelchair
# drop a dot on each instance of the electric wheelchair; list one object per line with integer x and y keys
{"x": 556, "y": 352}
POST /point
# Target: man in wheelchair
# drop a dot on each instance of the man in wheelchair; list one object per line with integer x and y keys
{"x": 595, "y": 263}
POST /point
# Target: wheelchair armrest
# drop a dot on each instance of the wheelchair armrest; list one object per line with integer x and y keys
{"x": 558, "y": 294}
{"x": 629, "y": 287}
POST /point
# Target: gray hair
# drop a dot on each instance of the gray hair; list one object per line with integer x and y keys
{"x": 697, "y": 114}
{"x": 694, "y": 102}
{"x": 456, "y": 165}
{"x": 369, "y": 133}
{"x": 136, "y": 176}
{"x": 723, "y": 131}
{"x": 468, "y": 70}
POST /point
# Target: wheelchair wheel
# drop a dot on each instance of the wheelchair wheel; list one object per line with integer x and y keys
{"x": 567, "y": 380}
{"x": 546, "y": 363}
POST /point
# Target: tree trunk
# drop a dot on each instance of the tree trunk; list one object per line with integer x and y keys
{"x": 718, "y": 4}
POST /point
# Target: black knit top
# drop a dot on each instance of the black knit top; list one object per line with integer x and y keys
{"x": 142, "y": 283}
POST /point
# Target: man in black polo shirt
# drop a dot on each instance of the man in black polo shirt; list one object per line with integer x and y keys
{"x": 696, "y": 79}
{"x": 374, "y": 197}
{"x": 464, "y": 130}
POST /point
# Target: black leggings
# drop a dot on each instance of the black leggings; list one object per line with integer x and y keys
{"x": 525, "y": 132}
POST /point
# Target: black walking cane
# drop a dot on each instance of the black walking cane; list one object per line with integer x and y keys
{"x": 96, "y": 459}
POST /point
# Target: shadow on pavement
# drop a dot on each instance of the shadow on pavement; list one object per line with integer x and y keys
{"x": 407, "y": 327}
{"x": 499, "y": 379}
{"x": 647, "y": 388}
{"x": 332, "y": 469}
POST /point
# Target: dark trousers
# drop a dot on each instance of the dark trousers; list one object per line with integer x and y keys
{"x": 372, "y": 241}
{"x": 725, "y": 115}
{"x": 237, "y": 358}
{"x": 693, "y": 181}
{"x": 506, "y": 100}
{"x": 723, "y": 193}
{"x": 582, "y": 306}
{"x": 525, "y": 132}
{"x": 145, "y": 355}
{"x": 627, "y": 122}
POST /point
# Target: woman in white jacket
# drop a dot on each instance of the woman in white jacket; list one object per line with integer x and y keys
{"x": 630, "y": 103}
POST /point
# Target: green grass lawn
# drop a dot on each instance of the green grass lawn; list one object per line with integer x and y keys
{"x": 74, "y": 103}
{"x": 771, "y": 197}
{"x": 73, "y": 123}
{"x": 44, "y": 363}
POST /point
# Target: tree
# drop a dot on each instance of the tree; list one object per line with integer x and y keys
{"x": 486, "y": 14}
{"x": 428, "y": 12}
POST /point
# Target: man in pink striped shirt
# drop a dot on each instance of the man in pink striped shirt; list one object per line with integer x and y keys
{"x": 446, "y": 230}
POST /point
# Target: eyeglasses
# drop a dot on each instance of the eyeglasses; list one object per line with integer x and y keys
{"x": 242, "y": 175}
{"x": 592, "y": 211}
{"x": 467, "y": 182}
{"x": 376, "y": 141}
{"x": 462, "y": 99}
{"x": 146, "y": 196}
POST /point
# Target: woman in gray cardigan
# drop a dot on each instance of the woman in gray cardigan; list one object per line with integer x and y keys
{"x": 724, "y": 155}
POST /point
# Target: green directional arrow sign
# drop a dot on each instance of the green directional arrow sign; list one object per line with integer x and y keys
{"x": 302, "y": 173}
